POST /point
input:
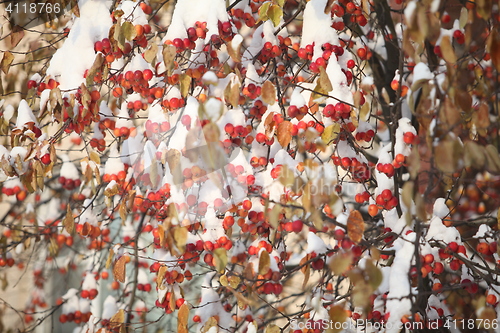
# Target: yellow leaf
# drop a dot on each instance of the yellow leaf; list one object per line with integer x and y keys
{"x": 355, "y": 226}
{"x": 220, "y": 257}
{"x": 180, "y": 238}
{"x": 234, "y": 281}
{"x": 272, "y": 329}
{"x": 374, "y": 274}
{"x": 330, "y": 133}
{"x": 150, "y": 53}
{"x": 337, "y": 315}
{"x": 263, "y": 11}
{"x": 324, "y": 81}
{"x": 128, "y": 30}
{"x": 182, "y": 319}
{"x": 275, "y": 13}
{"x": 341, "y": 262}
{"x": 185, "y": 81}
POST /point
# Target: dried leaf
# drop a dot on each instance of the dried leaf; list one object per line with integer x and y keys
{"x": 69, "y": 221}
{"x": 360, "y": 290}
{"x": 374, "y": 274}
{"x": 119, "y": 269}
{"x": 211, "y": 322}
{"x": 264, "y": 262}
{"x": 150, "y": 53}
{"x": 182, "y": 319}
{"x": 110, "y": 258}
{"x": 492, "y": 159}
{"x": 161, "y": 235}
{"x": 117, "y": 320}
{"x": 168, "y": 54}
{"x": 7, "y": 60}
{"x": 234, "y": 281}
{"x": 450, "y": 115}
{"x": 16, "y": 35}
{"x": 355, "y": 226}
{"x": 271, "y": 328}
{"x": 448, "y": 154}
{"x": 474, "y": 155}
{"x": 180, "y": 238}
{"x": 324, "y": 81}
{"x": 161, "y": 275}
{"x": 268, "y": 92}
{"x": 447, "y": 50}
{"x": 341, "y": 262}
{"x": 185, "y": 81}
{"x": 128, "y": 30}
{"x": 337, "y": 315}
{"x": 273, "y": 216}
{"x": 284, "y": 133}
{"x": 307, "y": 274}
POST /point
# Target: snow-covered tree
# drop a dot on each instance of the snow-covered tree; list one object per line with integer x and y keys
{"x": 251, "y": 165}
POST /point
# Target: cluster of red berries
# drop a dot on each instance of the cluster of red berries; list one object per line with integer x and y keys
{"x": 337, "y": 111}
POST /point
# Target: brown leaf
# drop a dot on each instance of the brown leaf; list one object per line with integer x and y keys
{"x": 268, "y": 92}
{"x": 494, "y": 43}
{"x": 264, "y": 262}
{"x": 16, "y": 35}
{"x": 69, "y": 221}
{"x": 450, "y": 115}
{"x": 448, "y": 154}
{"x": 284, "y": 133}
{"x": 7, "y": 60}
{"x": 182, "y": 319}
{"x": 355, "y": 226}
{"x": 110, "y": 258}
{"x": 119, "y": 269}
